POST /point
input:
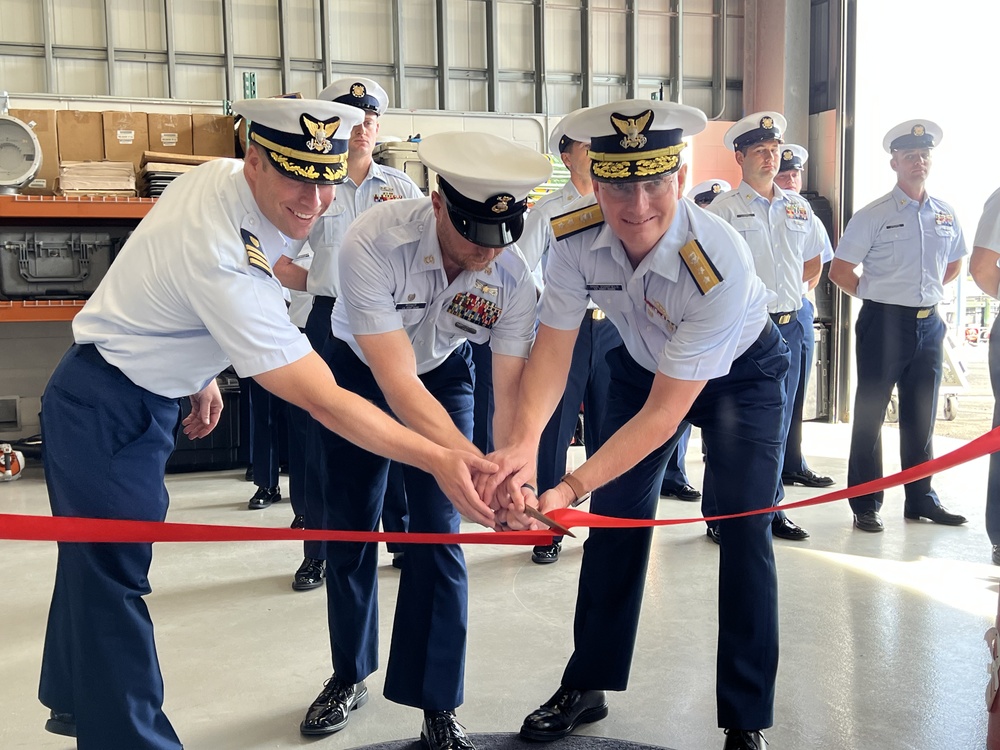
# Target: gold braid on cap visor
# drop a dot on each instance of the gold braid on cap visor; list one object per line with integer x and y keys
{"x": 620, "y": 166}
{"x": 335, "y": 171}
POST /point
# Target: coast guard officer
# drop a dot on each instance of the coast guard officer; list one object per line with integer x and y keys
{"x": 367, "y": 184}
{"x": 795, "y": 470}
{"x": 419, "y": 280}
{"x": 192, "y": 291}
{"x": 786, "y": 250}
{"x": 986, "y": 273}
{"x": 679, "y": 284}
{"x": 911, "y": 245}
{"x": 589, "y": 376}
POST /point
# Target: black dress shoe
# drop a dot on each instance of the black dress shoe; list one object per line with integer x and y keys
{"x": 564, "y": 712}
{"x": 713, "y": 533}
{"x": 397, "y": 560}
{"x": 807, "y": 478}
{"x": 332, "y": 708}
{"x": 740, "y": 739}
{"x": 263, "y": 497}
{"x": 996, "y": 554}
{"x": 310, "y": 574}
{"x": 546, "y": 553}
{"x": 782, "y": 528}
{"x": 685, "y": 492}
{"x": 299, "y": 522}
{"x": 937, "y": 514}
{"x": 870, "y": 520}
{"x": 441, "y": 731}
{"x": 64, "y": 724}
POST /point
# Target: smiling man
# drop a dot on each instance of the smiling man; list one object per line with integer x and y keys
{"x": 419, "y": 280}
{"x": 191, "y": 292}
{"x": 679, "y": 285}
{"x": 908, "y": 245}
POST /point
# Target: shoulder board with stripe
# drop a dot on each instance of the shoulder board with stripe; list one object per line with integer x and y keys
{"x": 700, "y": 266}
{"x": 255, "y": 256}
{"x": 574, "y": 222}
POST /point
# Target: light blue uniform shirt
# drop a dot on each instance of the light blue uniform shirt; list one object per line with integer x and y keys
{"x": 381, "y": 184}
{"x": 988, "y": 231}
{"x": 182, "y": 301}
{"x": 905, "y": 248}
{"x": 537, "y": 234}
{"x": 392, "y": 277}
{"x": 781, "y": 236}
{"x": 665, "y": 321}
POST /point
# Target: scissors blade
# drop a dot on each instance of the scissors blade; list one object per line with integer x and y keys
{"x": 548, "y": 521}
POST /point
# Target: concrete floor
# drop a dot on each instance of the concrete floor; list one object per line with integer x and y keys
{"x": 881, "y": 635}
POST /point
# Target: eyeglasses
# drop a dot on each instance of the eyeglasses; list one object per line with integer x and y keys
{"x": 658, "y": 187}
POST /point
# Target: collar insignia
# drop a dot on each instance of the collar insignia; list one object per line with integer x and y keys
{"x": 428, "y": 259}
{"x": 633, "y": 128}
{"x": 320, "y": 132}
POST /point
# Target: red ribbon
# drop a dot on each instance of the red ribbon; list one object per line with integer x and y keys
{"x": 66, "y": 529}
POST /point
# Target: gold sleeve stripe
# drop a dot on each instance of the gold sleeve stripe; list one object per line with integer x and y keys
{"x": 700, "y": 266}
{"x": 262, "y": 265}
{"x": 574, "y": 222}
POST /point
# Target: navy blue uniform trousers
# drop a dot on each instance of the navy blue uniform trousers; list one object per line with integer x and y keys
{"x": 587, "y": 384}
{"x": 676, "y": 476}
{"x": 794, "y": 460}
{"x": 993, "y": 482}
{"x": 740, "y": 418}
{"x": 895, "y": 348}
{"x": 265, "y": 443}
{"x": 107, "y": 442}
{"x": 427, "y": 653}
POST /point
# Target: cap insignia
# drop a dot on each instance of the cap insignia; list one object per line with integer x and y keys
{"x": 320, "y": 132}
{"x": 716, "y": 187}
{"x": 633, "y": 128}
{"x": 501, "y": 203}
{"x": 358, "y": 90}
{"x": 917, "y": 130}
{"x": 767, "y": 122}
{"x": 787, "y": 154}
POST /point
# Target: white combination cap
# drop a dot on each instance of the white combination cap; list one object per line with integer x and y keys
{"x": 755, "y": 128}
{"x": 913, "y": 134}
{"x": 363, "y": 93}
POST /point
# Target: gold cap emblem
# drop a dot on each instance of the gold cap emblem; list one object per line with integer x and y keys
{"x": 501, "y": 203}
{"x": 321, "y": 133}
{"x": 358, "y": 90}
{"x": 767, "y": 122}
{"x": 632, "y": 128}
{"x": 787, "y": 154}
{"x": 716, "y": 187}
{"x": 917, "y": 130}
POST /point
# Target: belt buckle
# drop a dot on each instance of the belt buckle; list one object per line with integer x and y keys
{"x": 784, "y": 318}
{"x": 924, "y": 313}
{"x": 597, "y": 314}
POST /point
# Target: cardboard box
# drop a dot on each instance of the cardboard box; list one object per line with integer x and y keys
{"x": 126, "y": 136}
{"x": 43, "y": 122}
{"x": 212, "y": 135}
{"x": 80, "y": 135}
{"x": 170, "y": 134}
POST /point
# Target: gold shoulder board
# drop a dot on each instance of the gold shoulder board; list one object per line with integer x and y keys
{"x": 255, "y": 255}
{"x": 700, "y": 266}
{"x": 574, "y": 222}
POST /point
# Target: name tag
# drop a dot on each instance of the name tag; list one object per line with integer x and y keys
{"x": 411, "y": 306}
{"x": 746, "y": 216}
{"x": 463, "y": 327}
{"x": 605, "y": 287}
{"x": 893, "y": 226}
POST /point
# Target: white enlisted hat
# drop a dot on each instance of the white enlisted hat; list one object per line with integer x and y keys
{"x": 363, "y": 93}
{"x": 485, "y": 181}
{"x": 705, "y": 192}
{"x": 635, "y": 138}
{"x": 913, "y": 134}
{"x": 305, "y": 139}
{"x": 558, "y": 140}
{"x": 755, "y": 128}
{"x": 793, "y": 156}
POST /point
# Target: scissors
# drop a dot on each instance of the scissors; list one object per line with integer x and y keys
{"x": 548, "y": 521}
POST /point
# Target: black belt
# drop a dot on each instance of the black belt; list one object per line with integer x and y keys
{"x": 915, "y": 312}
{"x": 784, "y": 317}
{"x": 321, "y": 301}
